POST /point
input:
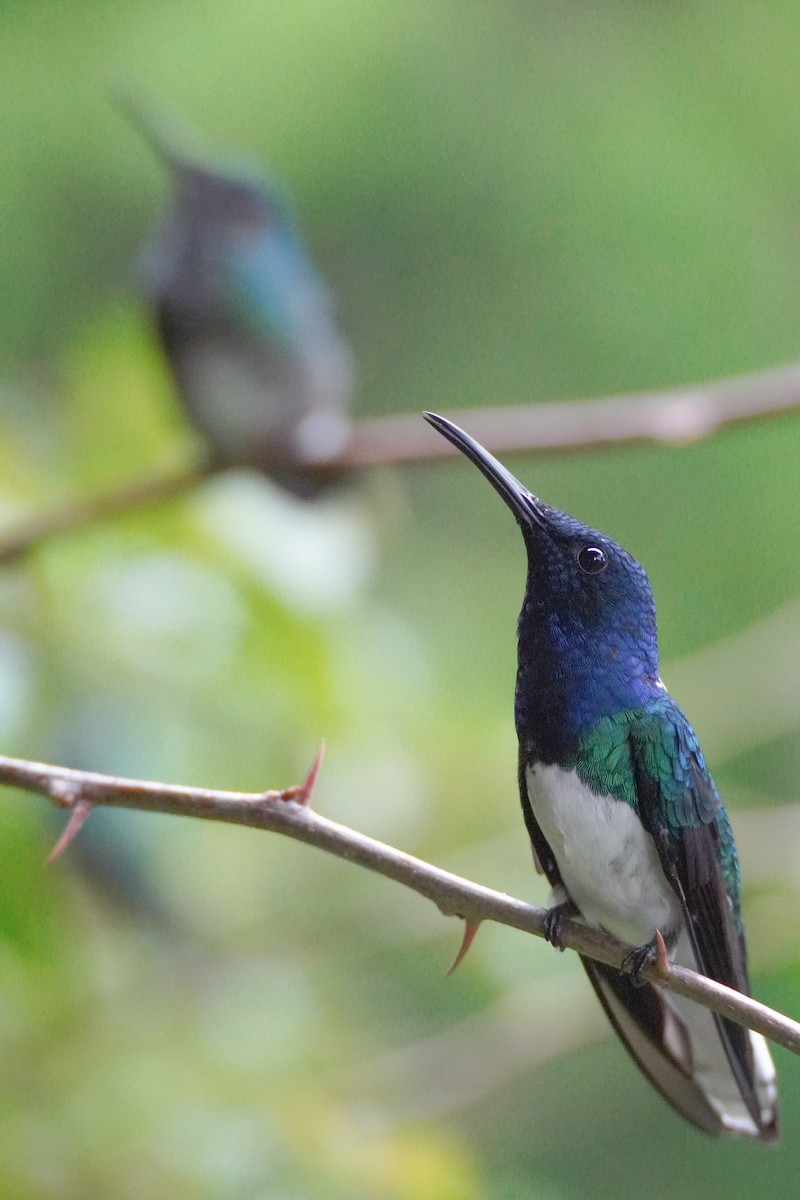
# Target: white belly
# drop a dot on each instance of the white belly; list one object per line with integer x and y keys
{"x": 608, "y": 863}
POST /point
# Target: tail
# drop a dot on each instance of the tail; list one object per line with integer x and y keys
{"x": 679, "y": 1046}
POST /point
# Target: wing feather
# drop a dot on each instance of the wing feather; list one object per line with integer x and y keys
{"x": 692, "y": 839}
{"x": 656, "y": 1040}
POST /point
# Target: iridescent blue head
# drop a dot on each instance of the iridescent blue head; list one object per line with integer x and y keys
{"x": 587, "y": 630}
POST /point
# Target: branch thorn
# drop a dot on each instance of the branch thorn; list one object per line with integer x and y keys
{"x": 300, "y": 793}
{"x": 661, "y": 963}
{"x": 470, "y": 929}
{"x": 79, "y": 813}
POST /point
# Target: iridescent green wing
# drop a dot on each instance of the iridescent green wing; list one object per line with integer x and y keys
{"x": 680, "y": 807}
{"x": 650, "y": 758}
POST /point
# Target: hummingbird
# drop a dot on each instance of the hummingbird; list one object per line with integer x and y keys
{"x": 246, "y": 322}
{"x": 623, "y": 816}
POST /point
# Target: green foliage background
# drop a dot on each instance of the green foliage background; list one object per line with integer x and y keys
{"x": 514, "y": 202}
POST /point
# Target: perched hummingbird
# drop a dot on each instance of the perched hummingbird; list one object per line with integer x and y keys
{"x": 623, "y": 816}
{"x": 245, "y": 321}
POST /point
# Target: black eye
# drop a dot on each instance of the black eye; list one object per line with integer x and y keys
{"x": 592, "y": 560}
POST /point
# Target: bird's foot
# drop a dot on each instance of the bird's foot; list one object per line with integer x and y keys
{"x": 651, "y": 954}
{"x": 553, "y": 920}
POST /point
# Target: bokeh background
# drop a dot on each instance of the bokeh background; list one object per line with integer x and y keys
{"x": 514, "y": 202}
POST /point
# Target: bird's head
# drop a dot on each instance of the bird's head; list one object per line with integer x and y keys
{"x": 588, "y": 603}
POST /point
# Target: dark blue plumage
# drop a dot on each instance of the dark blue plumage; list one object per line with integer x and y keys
{"x": 245, "y": 320}
{"x": 623, "y": 815}
{"x": 583, "y": 653}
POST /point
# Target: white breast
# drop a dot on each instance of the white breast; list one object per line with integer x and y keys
{"x": 608, "y": 863}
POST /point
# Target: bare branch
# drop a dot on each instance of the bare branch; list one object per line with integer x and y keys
{"x": 288, "y": 812}
{"x": 680, "y": 415}
{"x": 78, "y": 514}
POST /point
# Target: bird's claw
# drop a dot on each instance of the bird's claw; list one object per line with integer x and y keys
{"x": 652, "y": 955}
{"x": 553, "y": 920}
{"x": 637, "y": 961}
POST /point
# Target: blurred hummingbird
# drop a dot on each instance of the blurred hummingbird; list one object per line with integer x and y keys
{"x": 245, "y": 320}
{"x": 623, "y": 816}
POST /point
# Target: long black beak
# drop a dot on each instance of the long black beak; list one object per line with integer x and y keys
{"x": 528, "y": 510}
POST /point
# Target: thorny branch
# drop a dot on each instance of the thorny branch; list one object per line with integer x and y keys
{"x": 288, "y": 812}
{"x": 679, "y": 415}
